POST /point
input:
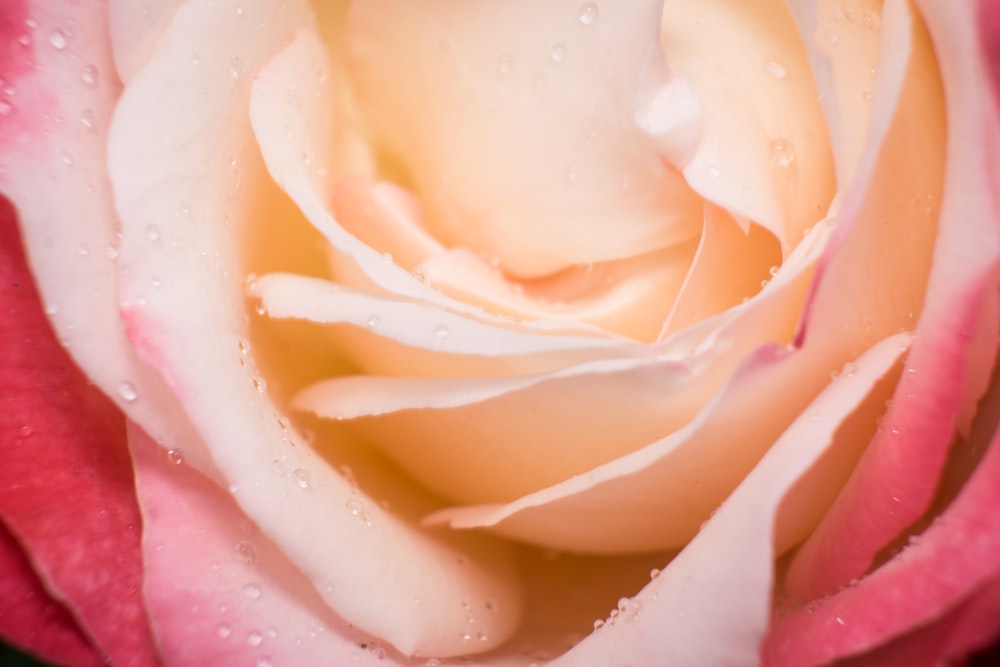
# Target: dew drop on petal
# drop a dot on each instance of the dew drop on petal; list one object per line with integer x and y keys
{"x": 782, "y": 153}
{"x": 776, "y": 70}
{"x": 223, "y": 630}
{"x": 373, "y": 321}
{"x": 252, "y": 591}
{"x": 503, "y": 64}
{"x": 246, "y": 551}
{"x": 255, "y": 638}
{"x": 558, "y": 53}
{"x": 58, "y": 39}
{"x": 175, "y": 456}
{"x": 441, "y": 332}
{"x": 588, "y": 14}
{"x": 89, "y": 75}
{"x": 6, "y": 108}
{"x": 127, "y": 392}
{"x": 301, "y": 478}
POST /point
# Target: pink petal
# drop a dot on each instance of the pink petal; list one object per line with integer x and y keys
{"x": 191, "y": 327}
{"x": 221, "y": 592}
{"x": 66, "y": 490}
{"x": 31, "y": 619}
{"x": 955, "y": 559}
{"x": 898, "y": 475}
{"x": 486, "y": 86}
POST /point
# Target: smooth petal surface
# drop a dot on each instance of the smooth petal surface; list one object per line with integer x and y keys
{"x": 708, "y": 608}
{"x": 135, "y": 29}
{"x": 66, "y": 491}
{"x": 898, "y": 475}
{"x": 486, "y": 86}
{"x": 185, "y": 314}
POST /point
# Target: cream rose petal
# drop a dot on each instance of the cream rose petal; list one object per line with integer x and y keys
{"x": 764, "y": 152}
{"x": 847, "y": 309}
{"x": 708, "y": 608}
{"x": 486, "y": 86}
{"x": 181, "y": 211}
{"x": 135, "y": 29}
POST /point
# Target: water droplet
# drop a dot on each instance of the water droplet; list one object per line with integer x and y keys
{"x": 301, "y": 478}
{"x": 839, "y": 619}
{"x": 503, "y": 64}
{"x": 153, "y": 233}
{"x": 558, "y": 53}
{"x": 235, "y": 67}
{"x": 246, "y": 551}
{"x": 482, "y": 636}
{"x": 67, "y": 159}
{"x": 26, "y": 430}
{"x": 588, "y": 13}
{"x": 264, "y": 661}
{"x": 255, "y": 638}
{"x": 51, "y": 309}
{"x": 776, "y": 70}
{"x": 441, "y": 332}
{"x": 571, "y": 174}
{"x": 654, "y": 573}
{"x": 773, "y": 271}
{"x": 87, "y": 118}
{"x": 24, "y": 39}
{"x": 713, "y": 172}
{"x": 58, "y": 39}
{"x": 223, "y": 630}
{"x": 432, "y": 662}
{"x": 175, "y": 456}
{"x": 782, "y": 153}
{"x": 89, "y": 75}
{"x": 598, "y": 624}
{"x": 6, "y": 108}
{"x": 252, "y": 591}
{"x": 849, "y": 369}
{"x": 387, "y": 258}
{"x": 373, "y": 321}
{"x": 244, "y": 346}
{"x": 127, "y": 392}
{"x": 260, "y": 384}
{"x": 196, "y": 60}
{"x": 623, "y": 604}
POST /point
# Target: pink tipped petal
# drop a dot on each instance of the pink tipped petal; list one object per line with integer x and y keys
{"x": 954, "y": 560}
{"x": 764, "y": 152}
{"x": 898, "y": 475}
{"x": 172, "y": 190}
{"x": 66, "y": 489}
{"x": 487, "y": 85}
{"x": 709, "y": 608}
{"x": 221, "y": 592}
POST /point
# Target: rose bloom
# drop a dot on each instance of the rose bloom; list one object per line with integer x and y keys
{"x": 421, "y": 332}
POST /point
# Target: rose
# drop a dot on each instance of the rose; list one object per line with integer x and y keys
{"x": 241, "y": 587}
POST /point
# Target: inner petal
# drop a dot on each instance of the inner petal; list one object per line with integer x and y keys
{"x": 500, "y": 128}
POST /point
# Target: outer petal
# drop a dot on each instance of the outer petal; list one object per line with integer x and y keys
{"x": 220, "y": 592}
{"x": 175, "y": 190}
{"x": 896, "y": 479}
{"x": 31, "y": 619}
{"x": 60, "y": 439}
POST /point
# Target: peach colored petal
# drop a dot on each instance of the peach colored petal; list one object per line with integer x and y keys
{"x": 628, "y": 297}
{"x": 221, "y": 592}
{"x": 658, "y": 496}
{"x": 764, "y": 152}
{"x": 487, "y": 85}
{"x": 174, "y": 189}
{"x": 709, "y": 608}
{"x": 730, "y": 266}
{"x": 897, "y": 477}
